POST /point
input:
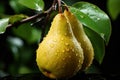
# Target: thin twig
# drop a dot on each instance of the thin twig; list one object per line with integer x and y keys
{"x": 59, "y": 6}
{"x": 27, "y": 19}
{"x": 44, "y": 27}
{"x": 53, "y": 7}
{"x": 35, "y": 16}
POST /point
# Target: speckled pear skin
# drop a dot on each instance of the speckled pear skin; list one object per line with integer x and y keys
{"x": 59, "y": 55}
{"x": 82, "y": 38}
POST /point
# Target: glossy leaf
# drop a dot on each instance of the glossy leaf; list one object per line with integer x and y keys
{"x": 70, "y": 2}
{"x": 33, "y": 4}
{"x": 3, "y": 25}
{"x": 113, "y": 8}
{"x": 98, "y": 44}
{"x": 16, "y": 18}
{"x": 17, "y": 7}
{"x": 94, "y": 18}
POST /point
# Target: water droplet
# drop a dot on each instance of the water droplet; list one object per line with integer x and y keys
{"x": 81, "y": 16}
{"x": 84, "y": 40}
{"x": 66, "y": 44}
{"x": 51, "y": 45}
{"x": 63, "y": 51}
{"x": 94, "y": 6}
{"x": 62, "y": 39}
{"x": 73, "y": 50}
{"x": 76, "y": 54}
{"x": 102, "y": 35}
{"x": 65, "y": 34}
{"x": 54, "y": 40}
{"x": 67, "y": 49}
{"x": 98, "y": 19}
{"x": 57, "y": 51}
{"x": 2, "y": 32}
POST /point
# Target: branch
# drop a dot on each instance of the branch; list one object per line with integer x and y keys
{"x": 27, "y": 19}
{"x": 53, "y": 7}
{"x": 59, "y": 6}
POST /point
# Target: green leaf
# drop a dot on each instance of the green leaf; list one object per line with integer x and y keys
{"x": 24, "y": 70}
{"x": 93, "y": 69}
{"x": 113, "y": 8}
{"x": 17, "y": 7}
{"x": 94, "y": 18}
{"x": 98, "y": 44}
{"x": 28, "y": 33}
{"x": 16, "y": 18}
{"x": 2, "y": 8}
{"x": 33, "y": 4}
{"x": 70, "y": 2}
{"x": 3, "y": 25}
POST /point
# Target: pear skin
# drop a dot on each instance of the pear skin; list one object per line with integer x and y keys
{"x": 82, "y": 38}
{"x": 59, "y": 55}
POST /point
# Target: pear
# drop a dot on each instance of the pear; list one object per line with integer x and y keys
{"x": 82, "y": 38}
{"x": 59, "y": 55}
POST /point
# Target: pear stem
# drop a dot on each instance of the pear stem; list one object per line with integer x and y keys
{"x": 59, "y": 6}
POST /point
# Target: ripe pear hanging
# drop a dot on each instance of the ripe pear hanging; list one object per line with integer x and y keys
{"x": 60, "y": 55}
{"x": 82, "y": 38}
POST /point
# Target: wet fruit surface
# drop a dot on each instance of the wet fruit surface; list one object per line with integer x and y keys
{"x": 64, "y": 50}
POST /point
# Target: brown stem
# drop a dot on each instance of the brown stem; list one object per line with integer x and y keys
{"x": 35, "y": 16}
{"x": 59, "y": 6}
{"x": 53, "y": 7}
{"x": 66, "y": 7}
{"x": 27, "y": 19}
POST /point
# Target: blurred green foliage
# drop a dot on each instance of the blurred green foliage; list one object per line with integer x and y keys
{"x": 113, "y": 8}
{"x": 18, "y": 44}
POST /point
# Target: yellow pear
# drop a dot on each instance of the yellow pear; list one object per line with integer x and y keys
{"x": 59, "y": 55}
{"x": 82, "y": 38}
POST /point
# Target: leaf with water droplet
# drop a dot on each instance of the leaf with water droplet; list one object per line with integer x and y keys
{"x": 3, "y": 25}
{"x": 33, "y": 4}
{"x": 94, "y": 18}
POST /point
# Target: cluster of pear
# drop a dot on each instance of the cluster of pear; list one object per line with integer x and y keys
{"x": 66, "y": 49}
